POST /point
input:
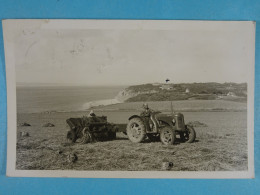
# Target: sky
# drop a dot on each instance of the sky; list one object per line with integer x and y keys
{"x": 80, "y": 52}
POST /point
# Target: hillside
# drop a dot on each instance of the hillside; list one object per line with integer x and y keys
{"x": 184, "y": 91}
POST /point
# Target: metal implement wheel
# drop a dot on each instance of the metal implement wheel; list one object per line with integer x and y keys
{"x": 71, "y": 136}
{"x": 86, "y": 137}
{"x": 190, "y": 134}
{"x": 167, "y": 136}
{"x": 135, "y": 130}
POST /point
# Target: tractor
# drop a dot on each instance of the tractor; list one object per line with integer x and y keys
{"x": 159, "y": 126}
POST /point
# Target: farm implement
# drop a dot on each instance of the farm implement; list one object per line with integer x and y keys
{"x": 90, "y": 129}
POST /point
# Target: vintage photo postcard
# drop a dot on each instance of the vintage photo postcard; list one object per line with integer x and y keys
{"x": 130, "y": 98}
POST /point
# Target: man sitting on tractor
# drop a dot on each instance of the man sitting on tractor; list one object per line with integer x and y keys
{"x": 146, "y": 114}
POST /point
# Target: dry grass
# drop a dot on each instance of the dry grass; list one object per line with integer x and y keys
{"x": 181, "y": 105}
{"x": 220, "y": 146}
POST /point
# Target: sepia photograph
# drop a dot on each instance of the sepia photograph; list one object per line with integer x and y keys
{"x": 130, "y": 98}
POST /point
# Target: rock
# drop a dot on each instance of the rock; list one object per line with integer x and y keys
{"x": 167, "y": 166}
{"x": 59, "y": 151}
{"x": 72, "y": 158}
{"x": 48, "y": 125}
{"x": 24, "y": 125}
{"x": 24, "y": 134}
{"x": 196, "y": 124}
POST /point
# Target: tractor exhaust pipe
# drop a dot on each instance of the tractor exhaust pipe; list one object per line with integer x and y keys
{"x": 171, "y": 109}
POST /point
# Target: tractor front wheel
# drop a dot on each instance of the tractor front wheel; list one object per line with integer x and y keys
{"x": 136, "y": 130}
{"x": 167, "y": 136}
{"x": 190, "y": 134}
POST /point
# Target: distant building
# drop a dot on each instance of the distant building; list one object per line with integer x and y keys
{"x": 231, "y": 94}
{"x": 187, "y": 90}
{"x": 166, "y": 87}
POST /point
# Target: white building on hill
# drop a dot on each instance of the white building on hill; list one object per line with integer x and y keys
{"x": 231, "y": 94}
{"x": 166, "y": 87}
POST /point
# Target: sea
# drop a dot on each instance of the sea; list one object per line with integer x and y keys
{"x": 31, "y": 99}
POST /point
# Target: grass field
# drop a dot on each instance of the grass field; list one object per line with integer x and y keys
{"x": 181, "y": 105}
{"x": 221, "y": 146}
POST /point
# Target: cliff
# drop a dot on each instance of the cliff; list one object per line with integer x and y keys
{"x": 134, "y": 91}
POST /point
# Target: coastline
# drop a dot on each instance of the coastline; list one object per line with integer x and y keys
{"x": 105, "y": 102}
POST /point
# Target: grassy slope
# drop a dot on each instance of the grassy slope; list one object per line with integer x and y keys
{"x": 199, "y": 91}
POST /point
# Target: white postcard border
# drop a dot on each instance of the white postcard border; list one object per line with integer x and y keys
{"x": 122, "y": 24}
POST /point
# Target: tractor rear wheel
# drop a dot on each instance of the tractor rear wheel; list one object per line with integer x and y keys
{"x": 167, "y": 136}
{"x": 136, "y": 130}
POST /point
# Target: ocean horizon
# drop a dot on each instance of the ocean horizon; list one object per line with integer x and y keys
{"x": 35, "y": 99}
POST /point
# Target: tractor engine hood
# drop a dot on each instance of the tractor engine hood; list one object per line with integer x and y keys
{"x": 164, "y": 118}
{"x": 177, "y": 120}
{"x": 160, "y": 116}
